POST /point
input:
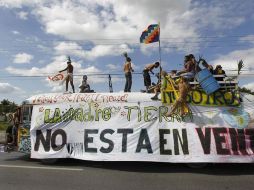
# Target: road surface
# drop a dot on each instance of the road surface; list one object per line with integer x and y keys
{"x": 18, "y": 171}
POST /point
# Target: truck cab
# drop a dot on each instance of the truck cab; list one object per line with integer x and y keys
{"x": 23, "y": 136}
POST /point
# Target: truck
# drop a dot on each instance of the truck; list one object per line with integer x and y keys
{"x": 133, "y": 127}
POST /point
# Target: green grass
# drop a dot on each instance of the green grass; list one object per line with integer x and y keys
{"x": 3, "y": 125}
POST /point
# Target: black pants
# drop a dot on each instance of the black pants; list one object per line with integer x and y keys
{"x": 147, "y": 78}
{"x": 128, "y": 82}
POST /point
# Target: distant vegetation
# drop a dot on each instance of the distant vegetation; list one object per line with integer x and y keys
{"x": 3, "y": 125}
{"x": 6, "y": 107}
{"x": 243, "y": 89}
{"x": 246, "y": 90}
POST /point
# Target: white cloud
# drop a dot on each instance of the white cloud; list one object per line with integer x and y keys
{"x": 94, "y": 74}
{"x": 117, "y": 20}
{"x": 15, "y": 32}
{"x": 94, "y": 77}
{"x": 149, "y": 50}
{"x": 73, "y": 48}
{"x": 249, "y": 86}
{"x": 69, "y": 48}
{"x": 59, "y": 63}
{"x": 22, "y": 58}
{"x": 22, "y": 15}
{"x": 216, "y": 17}
{"x": 229, "y": 61}
{"x": 6, "y": 88}
{"x": 121, "y": 20}
{"x": 103, "y": 21}
{"x": 249, "y": 39}
{"x": 105, "y": 50}
{"x": 55, "y": 86}
{"x": 113, "y": 67}
{"x": 21, "y": 3}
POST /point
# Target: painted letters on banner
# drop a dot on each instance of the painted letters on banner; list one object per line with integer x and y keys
{"x": 140, "y": 131}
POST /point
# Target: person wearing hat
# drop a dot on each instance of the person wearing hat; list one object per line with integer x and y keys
{"x": 127, "y": 68}
{"x": 219, "y": 71}
{"x": 69, "y": 77}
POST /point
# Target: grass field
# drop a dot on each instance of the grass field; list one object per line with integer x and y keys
{"x": 3, "y": 125}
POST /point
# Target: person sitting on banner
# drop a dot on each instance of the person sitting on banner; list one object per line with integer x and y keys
{"x": 189, "y": 67}
{"x": 85, "y": 87}
{"x": 69, "y": 77}
{"x": 186, "y": 59}
{"x": 160, "y": 85}
{"x": 180, "y": 103}
{"x": 146, "y": 75}
{"x": 219, "y": 71}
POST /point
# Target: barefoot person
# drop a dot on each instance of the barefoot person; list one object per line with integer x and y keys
{"x": 189, "y": 67}
{"x": 161, "y": 85}
{"x": 85, "y": 87}
{"x": 128, "y": 76}
{"x": 184, "y": 89}
{"x": 146, "y": 75}
{"x": 69, "y": 77}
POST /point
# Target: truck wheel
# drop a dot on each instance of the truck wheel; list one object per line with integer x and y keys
{"x": 197, "y": 165}
{"x": 49, "y": 161}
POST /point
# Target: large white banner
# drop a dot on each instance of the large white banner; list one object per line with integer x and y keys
{"x": 140, "y": 131}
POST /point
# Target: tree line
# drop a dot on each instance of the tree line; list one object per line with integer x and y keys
{"x": 246, "y": 90}
{"x": 7, "y": 106}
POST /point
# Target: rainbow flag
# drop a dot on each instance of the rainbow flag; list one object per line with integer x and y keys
{"x": 151, "y": 34}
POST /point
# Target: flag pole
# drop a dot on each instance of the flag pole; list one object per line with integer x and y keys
{"x": 160, "y": 51}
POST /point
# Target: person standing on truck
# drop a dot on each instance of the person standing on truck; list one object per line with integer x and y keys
{"x": 147, "y": 79}
{"x": 69, "y": 77}
{"x": 128, "y": 76}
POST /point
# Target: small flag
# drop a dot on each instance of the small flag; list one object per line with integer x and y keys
{"x": 151, "y": 34}
{"x": 56, "y": 77}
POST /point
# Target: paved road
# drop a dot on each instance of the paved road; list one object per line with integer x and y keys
{"x": 18, "y": 171}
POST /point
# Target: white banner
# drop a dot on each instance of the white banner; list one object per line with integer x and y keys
{"x": 140, "y": 131}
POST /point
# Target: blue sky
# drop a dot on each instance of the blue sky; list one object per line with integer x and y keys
{"x": 36, "y": 36}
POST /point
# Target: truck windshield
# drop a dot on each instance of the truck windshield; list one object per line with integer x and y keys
{"x": 27, "y": 113}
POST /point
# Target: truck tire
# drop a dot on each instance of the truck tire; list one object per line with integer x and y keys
{"x": 197, "y": 165}
{"x": 49, "y": 161}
